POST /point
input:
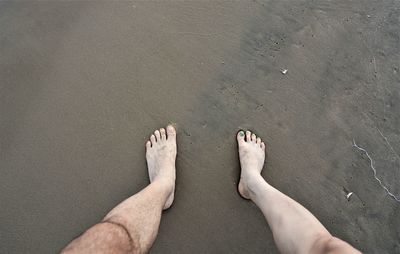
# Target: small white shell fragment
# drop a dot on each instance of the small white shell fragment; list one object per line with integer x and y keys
{"x": 349, "y": 195}
{"x": 284, "y": 71}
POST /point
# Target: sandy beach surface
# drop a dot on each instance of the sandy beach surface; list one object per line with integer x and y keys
{"x": 83, "y": 85}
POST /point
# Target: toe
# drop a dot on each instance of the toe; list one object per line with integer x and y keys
{"x": 248, "y": 136}
{"x": 262, "y": 145}
{"x": 148, "y": 144}
{"x": 253, "y": 138}
{"x": 163, "y": 136}
{"x": 158, "y": 135}
{"x": 153, "y": 139}
{"x": 258, "y": 141}
{"x": 171, "y": 132}
{"x": 240, "y": 136}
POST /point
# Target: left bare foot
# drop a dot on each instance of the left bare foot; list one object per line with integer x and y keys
{"x": 160, "y": 156}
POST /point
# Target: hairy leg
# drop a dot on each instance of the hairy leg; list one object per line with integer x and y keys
{"x": 294, "y": 228}
{"x": 132, "y": 226}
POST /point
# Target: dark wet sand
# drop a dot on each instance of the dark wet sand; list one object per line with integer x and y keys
{"x": 83, "y": 84}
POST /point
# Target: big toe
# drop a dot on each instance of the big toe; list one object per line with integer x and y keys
{"x": 240, "y": 136}
{"x": 171, "y": 132}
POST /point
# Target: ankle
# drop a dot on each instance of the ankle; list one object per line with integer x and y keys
{"x": 250, "y": 177}
{"x": 253, "y": 183}
{"x": 167, "y": 185}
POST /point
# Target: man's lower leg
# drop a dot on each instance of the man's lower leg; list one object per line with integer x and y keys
{"x": 132, "y": 226}
{"x": 294, "y": 228}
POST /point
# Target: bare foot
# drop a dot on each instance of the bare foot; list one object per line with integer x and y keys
{"x": 252, "y": 156}
{"x": 160, "y": 156}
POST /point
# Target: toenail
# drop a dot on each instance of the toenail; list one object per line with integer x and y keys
{"x": 241, "y": 133}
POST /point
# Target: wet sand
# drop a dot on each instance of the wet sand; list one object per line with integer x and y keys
{"x": 83, "y": 85}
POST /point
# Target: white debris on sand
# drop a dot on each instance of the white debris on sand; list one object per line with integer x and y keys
{"x": 349, "y": 195}
{"x": 374, "y": 171}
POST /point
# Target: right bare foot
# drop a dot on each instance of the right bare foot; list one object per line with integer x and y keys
{"x": 160, "y": 156}
{"x": 252, "y": 156}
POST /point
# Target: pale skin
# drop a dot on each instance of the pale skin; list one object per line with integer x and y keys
{"x": 294, "y": 228}
{"x": 132, "y": 226}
